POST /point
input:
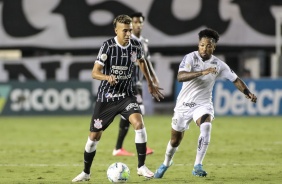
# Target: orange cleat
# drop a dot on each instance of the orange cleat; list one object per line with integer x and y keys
{"x": 149, "y": 151}
{"x": 122, "y": 152}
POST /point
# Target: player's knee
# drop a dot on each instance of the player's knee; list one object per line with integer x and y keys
{"x": 205, "y": 118}
{"x": 176, "y": 138}
{"x": 206, "y": 126}
{"x": 91, "y": 145}
{"x": 137, "y": 123}
{"x": 174, "y": 142}
{"x": 141, "y": 135}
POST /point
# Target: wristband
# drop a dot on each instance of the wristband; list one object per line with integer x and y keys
{"x": 246, "y": 91}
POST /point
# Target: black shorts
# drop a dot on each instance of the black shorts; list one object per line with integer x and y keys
{"x": 105, "y": 112}
{"x": 138, "y": 94}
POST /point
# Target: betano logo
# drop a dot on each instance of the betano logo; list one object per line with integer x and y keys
{"x": 4, "y": 93}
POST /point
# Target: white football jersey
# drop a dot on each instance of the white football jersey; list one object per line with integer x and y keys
{"x": 198, "y": 91}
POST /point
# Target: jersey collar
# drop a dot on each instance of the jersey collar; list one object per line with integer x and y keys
{"x": 124, "y": 47}
{"x": 136, "y": 38}
{"x": 198, "y": 55}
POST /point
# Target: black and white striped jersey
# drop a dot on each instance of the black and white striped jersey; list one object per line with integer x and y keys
{"x": 120, "y": 61}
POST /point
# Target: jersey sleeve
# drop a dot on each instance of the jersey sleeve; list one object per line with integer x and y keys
{"x": 103, "y": 54}
{"x": 140, "y": 51}
{"x": 186, "y": 64}
{"x": 227, "y": 73}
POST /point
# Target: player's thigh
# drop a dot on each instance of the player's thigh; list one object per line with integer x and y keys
{"x": 129, "y": 106}
{"x": 180, "y": 121}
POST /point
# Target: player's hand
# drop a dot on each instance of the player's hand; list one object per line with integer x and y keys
{"x": 111, "y": 79}
{"x": 252, "y": 97}
{"x": 155, "y": 91}
{"x": 209, "y": 70}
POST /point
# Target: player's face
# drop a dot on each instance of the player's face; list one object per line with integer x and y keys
{"x": 123, "y": 32}
{"x": 206, "y": 47}
{"x": 137, "y": 23}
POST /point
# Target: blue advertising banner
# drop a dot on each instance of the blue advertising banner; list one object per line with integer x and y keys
{"x": 228, "y": 100}
{"x": 45, "y": 98}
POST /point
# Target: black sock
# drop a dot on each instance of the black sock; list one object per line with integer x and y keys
{"x": 88, "y": 159}
{"x": 123, "y": 129}
{"x": 141, "y": 151}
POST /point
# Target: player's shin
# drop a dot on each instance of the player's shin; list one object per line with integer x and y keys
{"x": 170, "y": 151}
{"x": 203, "y": 142}
{"x": 89, "y": 154}
{"x": 140, "y": 141}
{"x": 123, "y": 129}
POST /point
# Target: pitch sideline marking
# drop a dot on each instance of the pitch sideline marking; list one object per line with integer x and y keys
{"x": 80, "y": 165}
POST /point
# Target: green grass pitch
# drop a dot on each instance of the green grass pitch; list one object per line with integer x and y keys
{"x": 48, "y": 150}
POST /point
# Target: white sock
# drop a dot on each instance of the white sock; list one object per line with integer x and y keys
{"x": 169, "y": 154}
{"x": 203, "y": 142}
{"x": 141, "y": 135}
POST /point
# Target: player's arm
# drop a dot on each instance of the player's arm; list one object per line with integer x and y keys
{"x": 244, "y": 89}
{"x": 153, "y": 89}
{"x": 152, "y": 72}
{"x": 184, "y": 76}
{"x": 97, "y": 74}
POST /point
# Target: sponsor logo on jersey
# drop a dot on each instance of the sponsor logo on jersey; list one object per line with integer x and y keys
{"x": 192, "y": 104}
{"x": 120, "y": 72}
{"x": 133, "y": 56}
{"x": 108, "y": 95}
{"x": 119, "y": 67}
{"x": 98, "y": 123}
{"x": 119, "y": 95}
{"x": 124, "y": 55}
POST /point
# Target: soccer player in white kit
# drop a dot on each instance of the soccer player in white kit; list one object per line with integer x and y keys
{"x": 198, "y": 71}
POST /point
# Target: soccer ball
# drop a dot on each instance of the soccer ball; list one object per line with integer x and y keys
{"x": 118, "y": 173}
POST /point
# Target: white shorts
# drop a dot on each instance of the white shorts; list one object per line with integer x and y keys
{"x": 181, "y": 120}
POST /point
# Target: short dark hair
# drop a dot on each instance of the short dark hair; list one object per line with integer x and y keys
{"x": 123, "y": 19}
{"x": 209, "y": 33}
{"x": 137, "y": 14}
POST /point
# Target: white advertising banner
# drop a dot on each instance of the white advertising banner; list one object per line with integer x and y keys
{"x": 79, "y": 24}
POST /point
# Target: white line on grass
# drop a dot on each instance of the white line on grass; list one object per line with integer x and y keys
{"x": 79, "y": 165}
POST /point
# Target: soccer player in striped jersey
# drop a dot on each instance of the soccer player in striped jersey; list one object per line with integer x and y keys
{"x": 137, "y": 22}
{"x": 198, "y": 71}
{"x": 114, "y": 66}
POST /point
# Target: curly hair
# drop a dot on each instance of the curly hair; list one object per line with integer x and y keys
{"x": 209, "y": 33}
{"x": 123, "y": 19}
{"x": 137, "y": 14}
